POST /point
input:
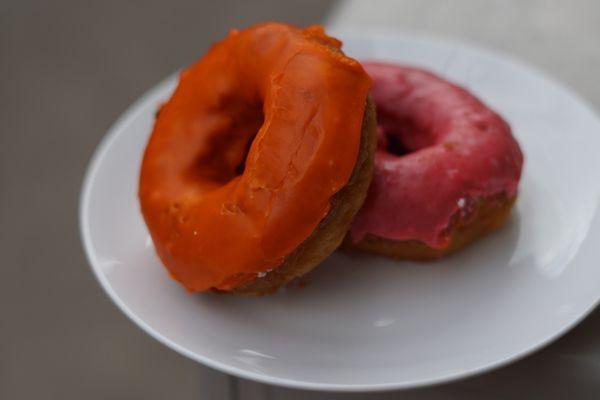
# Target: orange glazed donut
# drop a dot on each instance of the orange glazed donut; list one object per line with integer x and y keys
{"x": 259, "y": 160}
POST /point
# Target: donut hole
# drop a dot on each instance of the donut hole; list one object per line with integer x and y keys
{"x": 394, "y": 145}
{"x": 241, "y": 167}
{"x": 402, "y": 137}
{"x": 229, "y": 145}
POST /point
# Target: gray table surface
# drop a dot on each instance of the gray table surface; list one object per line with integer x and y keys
{"x": 69, "y": 68}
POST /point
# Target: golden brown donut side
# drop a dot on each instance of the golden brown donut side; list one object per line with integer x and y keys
{"x": 331, "y": 231}
{"x": 488, "y": 214}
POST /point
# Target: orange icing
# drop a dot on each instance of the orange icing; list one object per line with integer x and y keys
{"x": 298, "y": 102}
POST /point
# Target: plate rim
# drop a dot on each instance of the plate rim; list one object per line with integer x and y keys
{"x": 133, "y": 110}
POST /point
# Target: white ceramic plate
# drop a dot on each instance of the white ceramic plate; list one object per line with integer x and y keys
{"x": 367, "y": 323}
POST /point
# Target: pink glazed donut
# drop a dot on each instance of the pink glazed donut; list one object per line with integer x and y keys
{"x": 446, "y": 168}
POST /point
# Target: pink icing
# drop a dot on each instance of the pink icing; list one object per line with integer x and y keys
{"x": 458, "y": 150}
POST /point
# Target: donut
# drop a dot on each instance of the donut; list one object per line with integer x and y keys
{"x": 259, "y": 160}
{"x": 446, "y": 167}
